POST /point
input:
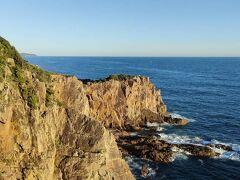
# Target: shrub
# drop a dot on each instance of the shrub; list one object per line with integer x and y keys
{"x": 19, "y": 75}
{"x": 1, "y": 72}
{"x": 118, "y": 77}
{"x": 32, "y": 99}
{"x": 30, "y": 96}
{"x": 49, "y": 95}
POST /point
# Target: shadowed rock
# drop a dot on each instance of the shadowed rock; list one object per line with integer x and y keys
{"x": 150, "y": 147}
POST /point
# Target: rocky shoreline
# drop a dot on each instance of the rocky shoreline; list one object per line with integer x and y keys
{"x": 151, "y": 147}
{"x": 54, "y": 126}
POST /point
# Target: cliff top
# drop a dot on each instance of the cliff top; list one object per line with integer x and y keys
{"x": 8, "y": 51}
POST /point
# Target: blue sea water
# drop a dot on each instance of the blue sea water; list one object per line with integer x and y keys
{"x": 205, "y": 90}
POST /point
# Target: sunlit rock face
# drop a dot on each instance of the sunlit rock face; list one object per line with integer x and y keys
{"x": 45, "y": 128}
{"x": 57, "y": 127}
{"x": 121, "y": 102}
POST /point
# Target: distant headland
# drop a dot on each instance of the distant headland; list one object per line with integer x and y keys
{"x": 27, "y": 54}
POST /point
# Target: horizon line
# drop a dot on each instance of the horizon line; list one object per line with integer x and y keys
{"x": 133, "y": 56}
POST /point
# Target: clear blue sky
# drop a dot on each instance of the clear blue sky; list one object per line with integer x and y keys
{"x": 123, "y": 27}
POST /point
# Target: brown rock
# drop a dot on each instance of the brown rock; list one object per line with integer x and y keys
{"x": 178, "y": 121}
{"x": 128, "y": 101}
{"x": 146, "y": 147}
{"x": 51, "y": 140}
{"x": 144, "y": 170}
{"x": 196, "y": 150}
{"x": 150, "y": 147}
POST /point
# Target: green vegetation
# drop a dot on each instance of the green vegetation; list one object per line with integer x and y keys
{"x": 20, "y": 74}
{"x": 42, "y": 75}
{"x": 6, "y": 51}
{"x": 32, "y": 99}
{"x": 29, "y": 95}
{"x": 1, "y": 71}
{"x": 118, "y": 77}
{"x": 49, "y": 95}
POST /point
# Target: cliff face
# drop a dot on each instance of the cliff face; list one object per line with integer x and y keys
{"x": 54, "y": 127}
{"x": 45, "y": 128}
{"x": 119, "y": 102}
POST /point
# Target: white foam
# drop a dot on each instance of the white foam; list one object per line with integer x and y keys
{"x": 176, "y": 115}
{"x": 236, "y": 147}
{"x": 166, "y": 124}
{"x": 132, "y": 164}
{"x": 152, "y": 124}
{"x": 133, "y": 134}
{"x": 201, "y": 161}
{"x": 176, "y": 139}
{"x": 218, "y": 150}
{"x": 181, "y": 156}
{"x": 159, "y": 129}
{"x": 151, "y": 173}
{"x": 232, "y": 155}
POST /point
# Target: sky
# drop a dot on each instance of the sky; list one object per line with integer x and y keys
{"x": 122, "y": 27}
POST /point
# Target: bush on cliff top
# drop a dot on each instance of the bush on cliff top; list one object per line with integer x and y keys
{"x": 118, "y": 77}
{"x": 19, "y": 74}
{"x": 8, "y": 51}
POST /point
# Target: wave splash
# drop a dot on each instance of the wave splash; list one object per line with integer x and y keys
{"x": 234, "y": 154}
{"x": 176, "y": 115}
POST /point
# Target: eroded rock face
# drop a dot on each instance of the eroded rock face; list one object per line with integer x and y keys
{"x": 54, "y": 127}
{"x": 88, "y": 151}
{"x": 57, "y": 142}
{"x": 45, "y": 131}
{"x": 152, "y": 148}
{"x": 131, "y": 101}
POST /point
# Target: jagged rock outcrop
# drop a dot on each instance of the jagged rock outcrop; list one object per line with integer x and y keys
{"x": 121, "y": 101}
{"x": 152, "y": 148}
{"x": 45, "y": 128}
{"x": 54, "y": 126}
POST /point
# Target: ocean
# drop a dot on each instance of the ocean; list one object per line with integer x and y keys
{"x": 204, "y": 90}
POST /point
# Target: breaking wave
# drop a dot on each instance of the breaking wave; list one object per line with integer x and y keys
{"x": 176, "y": 115}
{"x": 234, "y": 154}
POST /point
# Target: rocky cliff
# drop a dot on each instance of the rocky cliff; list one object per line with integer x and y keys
{"x": 120, "y": 101}
{"x": 46, "y": 127}
{"x": 58, "y": 127}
